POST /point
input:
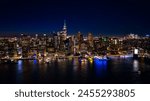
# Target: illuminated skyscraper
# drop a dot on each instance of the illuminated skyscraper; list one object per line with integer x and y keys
{"x": 64, "y": 31}
{"x": 90, "y": 39}
{"x": 63, "y": 37}
{"x": 79, "y": 39}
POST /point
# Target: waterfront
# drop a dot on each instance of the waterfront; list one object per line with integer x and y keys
{"x": 119, "y": 70}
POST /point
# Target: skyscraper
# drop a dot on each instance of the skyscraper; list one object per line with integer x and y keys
{"x": 63, "y": 37}
{"x": 64, "y": 31}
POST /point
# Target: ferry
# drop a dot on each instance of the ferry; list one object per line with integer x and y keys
{"x": 101, "y": 58}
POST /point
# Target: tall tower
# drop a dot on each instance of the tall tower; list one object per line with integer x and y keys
{"x": 64, "y": 31}
{"x": 63, "y": 37}
{"x": 64, "y": 27}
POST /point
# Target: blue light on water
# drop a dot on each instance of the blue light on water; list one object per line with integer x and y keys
{"x": 20, "y": 68}
{"x": 34, "y": 61}
{"x": 19, "y": 73}
{"x": 100, "y": 62}
{"x": 100, "y": 67}
{"x": 20, "y": 62}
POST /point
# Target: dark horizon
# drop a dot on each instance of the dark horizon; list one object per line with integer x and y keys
{"x": 109, "y": 17}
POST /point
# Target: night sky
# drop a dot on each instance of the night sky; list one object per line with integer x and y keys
{"x": 108, "y": 17}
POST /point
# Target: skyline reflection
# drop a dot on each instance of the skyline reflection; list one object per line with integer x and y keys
{"x": 75, "y": 71}
{"x": 19, "y": 71}
{"x": 100, "y": 67}
{"x": 135, "y": 65}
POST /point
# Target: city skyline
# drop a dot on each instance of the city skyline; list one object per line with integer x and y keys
{"x": 74, "y": 59}
{"x": 107, "y": 17}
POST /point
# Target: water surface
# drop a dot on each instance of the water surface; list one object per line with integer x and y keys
{"x": 116, "y": 71}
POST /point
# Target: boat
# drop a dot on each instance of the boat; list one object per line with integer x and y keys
{"x": 102, "y": 58}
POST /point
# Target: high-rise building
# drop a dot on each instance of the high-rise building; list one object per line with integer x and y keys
{"x": 79, "y": 36}
{"x": 62, "y": 37}
{"x": 56, "y": 41}
{"x": 64, "y": 31}
{"x": 90, "y": 39}
{"x": 79, "y": 39}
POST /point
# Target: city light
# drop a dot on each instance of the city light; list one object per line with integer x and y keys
{"x": 136, "y": 51}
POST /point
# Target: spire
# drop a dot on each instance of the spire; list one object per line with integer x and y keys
{"x": 64, "y": 27}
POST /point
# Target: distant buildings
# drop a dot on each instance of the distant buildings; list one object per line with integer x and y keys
{"x": 61, "y": 44}
{"x": 133, "y": 36}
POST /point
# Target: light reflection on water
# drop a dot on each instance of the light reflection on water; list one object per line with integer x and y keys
{"x": 75, "y": 62}
{"x": 35, "y": 61}
{"x": 135, "y": 66}
{"x": 100, "y": 67}
{"x": 75, "y": 71}
{"x": 84, "y": 69}
{"x": 20, "y": 68}
{"x": 19, "y": 72}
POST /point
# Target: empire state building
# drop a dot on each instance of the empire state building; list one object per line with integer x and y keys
{"x": 63, "y": 37}
{"x": 64, "y": 31}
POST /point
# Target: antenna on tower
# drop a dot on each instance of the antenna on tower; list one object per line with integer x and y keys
{"x": 64, "y": 27}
